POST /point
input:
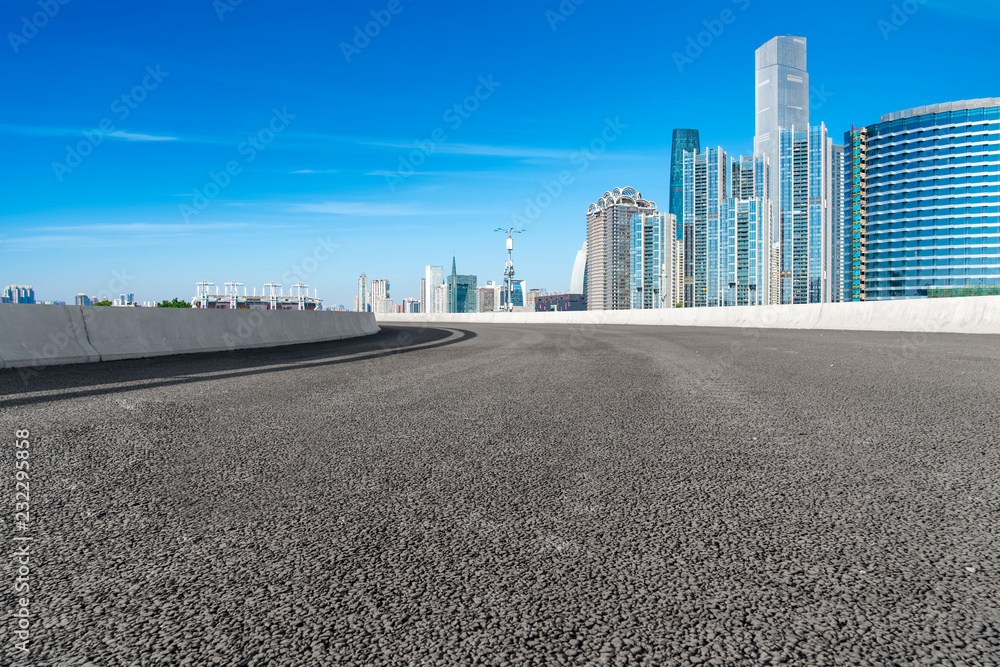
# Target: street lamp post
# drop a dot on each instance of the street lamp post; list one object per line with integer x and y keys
{"x": 508, "y": 272}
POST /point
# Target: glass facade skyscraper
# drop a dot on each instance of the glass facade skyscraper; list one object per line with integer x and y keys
{"x": 705, "y": 189}
{"x": 782, "y": 100}
{"x": 925, "y": 201}
{"x": 683, "y": 141}
{"x": 746, "y": 229}
{"x": 653, "y": 252}
{"x": 806, "y": 215}
{"x": 462, "y": 292}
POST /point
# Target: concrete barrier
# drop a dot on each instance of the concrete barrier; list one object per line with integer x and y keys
{"x": 33, "y": 335}
{"x": 43, "y": 336}
{"x": 971, "y": 315}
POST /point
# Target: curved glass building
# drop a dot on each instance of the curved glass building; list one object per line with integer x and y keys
{"x": 923, "y": 197}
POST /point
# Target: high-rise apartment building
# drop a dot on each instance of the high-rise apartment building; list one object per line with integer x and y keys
{"x": 678, "y": 273}
{"x": 746, "y": 231}
{"x": 411, "y": 305}
{"x": 782, "y": 101}
{"x": 925, "y": 202}
{"x": 856, "y": 208}
{"x": 841, "y": 237}
{"x": 83, "y": 300}
{"x": 683, "y": 141}
{"x": 433, "y": 277}
{"x": 423, "y": 295}
{"x": 653, "y": 239}
{"x": 361, "y": 299}
{"x": 440, "y": 300}
{"x": 806, "y": 216}
{"x": 380, "y": 290}
{"x": 609, "y": 223}
{"x": 705, "y": 189}
{"x": 19, "y": 294}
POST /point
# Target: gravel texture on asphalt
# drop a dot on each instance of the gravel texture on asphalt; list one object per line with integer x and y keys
{"x": 517, "y": 495}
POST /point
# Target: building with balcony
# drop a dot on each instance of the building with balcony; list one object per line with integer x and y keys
{"x": 609, "y": 225}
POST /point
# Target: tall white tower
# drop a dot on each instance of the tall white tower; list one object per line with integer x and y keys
{"x": 782, "y": 102}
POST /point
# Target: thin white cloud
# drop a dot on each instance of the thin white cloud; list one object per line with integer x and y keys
{"x": 143, "y": 227}
{"x": 481, "y": 150}
{"x": 29, "y": 131}
{"x": 447, "y": 148}
{"x": 373, "y": 209}
{"x": 130, "y": 136}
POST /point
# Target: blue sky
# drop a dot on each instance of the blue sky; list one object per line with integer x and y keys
{"x": 301, "y": 143}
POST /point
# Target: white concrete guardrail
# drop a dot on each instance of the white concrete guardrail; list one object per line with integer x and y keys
{"x": 971, "y": 315}
{"x": 33, "y": 335}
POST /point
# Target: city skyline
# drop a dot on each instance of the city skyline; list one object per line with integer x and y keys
{"x": 321, "y": 206}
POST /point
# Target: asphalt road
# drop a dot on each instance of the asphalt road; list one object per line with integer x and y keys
{"x": 516, "y": 495}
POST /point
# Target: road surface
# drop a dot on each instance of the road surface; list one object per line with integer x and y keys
{"x": 545, "y": 495}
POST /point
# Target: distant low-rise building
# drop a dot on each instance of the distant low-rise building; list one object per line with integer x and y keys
{"x": 560, "y": 303}
{"x": 18, "y": 294}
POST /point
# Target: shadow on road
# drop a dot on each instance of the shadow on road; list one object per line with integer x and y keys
{"x": 132, "y": 374}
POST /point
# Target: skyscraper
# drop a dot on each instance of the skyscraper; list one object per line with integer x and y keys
{"x": 924, "y": 203}
{"x": 856, "y": 208}
{"x": 654, "y": 240}
{"x": 423, "y": 295}
{"x": 462, "y": 291}
{"x": 380, "y": 300}
{"x": 380, "y": 289}
{"x": 806, "y": 215}
{"x": 609, "y": 224}
{"x": 782, "y": 100}
{"x": 440, "y": 299}
{"x": 434, "y": 276}
{"x": 683, "y": 140}
{"x": 841, "y": 239}
{"x": 361, "y": 300}
{"x": 746, "y": 229}
{"x": 705, "y": 188}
